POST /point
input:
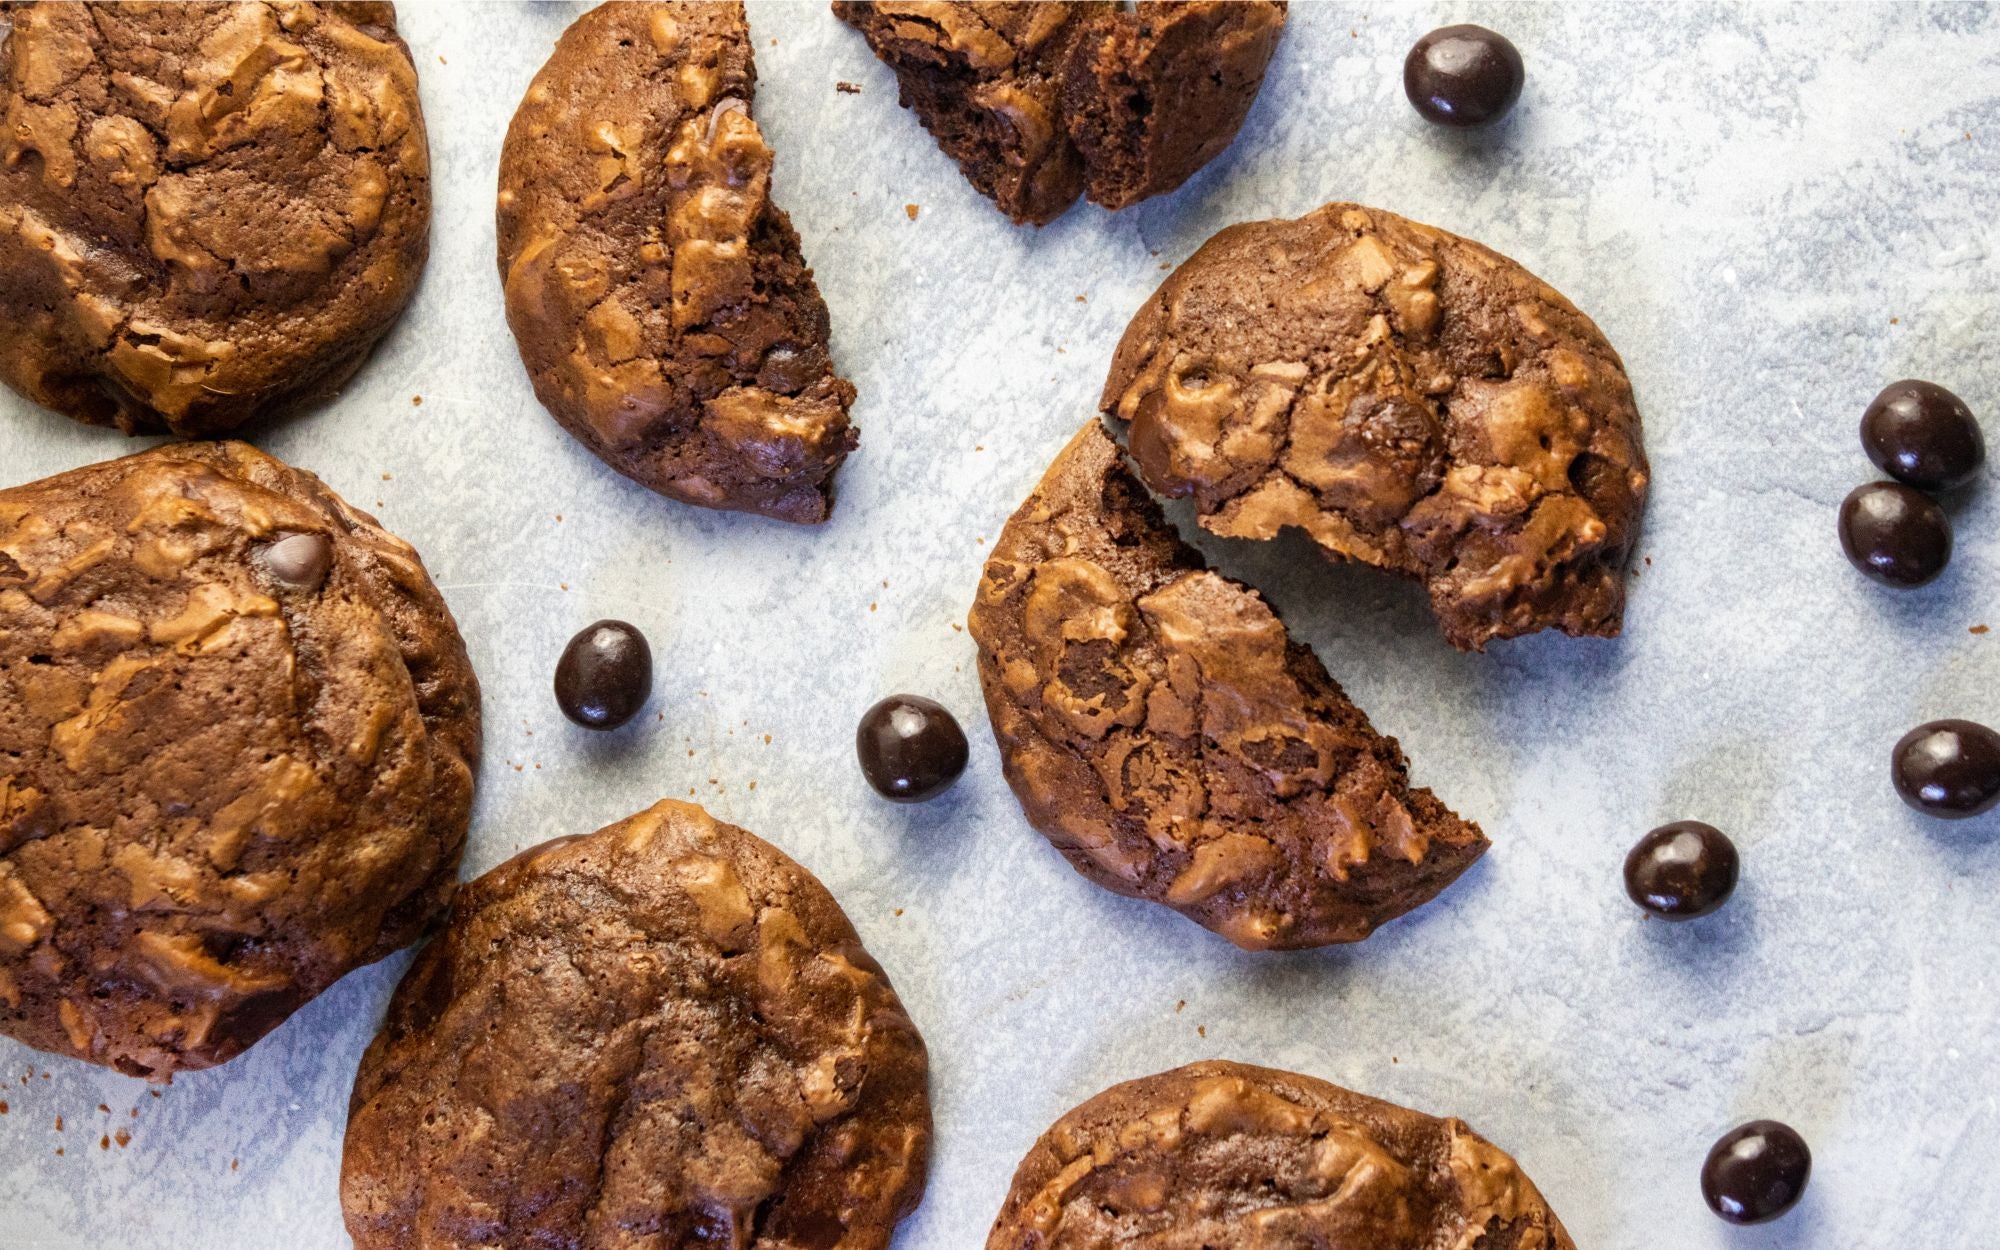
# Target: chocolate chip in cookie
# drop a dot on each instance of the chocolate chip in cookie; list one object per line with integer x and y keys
{"x": 1409, "y": 399}
{"x": 237, "y": 739}
{"x": 208, "y": 211}
{"x": 656, "y": 291}
{"x": 1040, "y": 103}
{"x": 1224, "y": 1154}
{"x": 1161, "y": 728}
{"x": 665, "y": 1033}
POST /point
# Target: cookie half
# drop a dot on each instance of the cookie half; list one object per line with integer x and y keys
{"x": 665, "y": 1033}
{"x": 1224, "y": 1154}
{"x": 1040, "y": 103}
{"x": 656, "y": 291}
{"x": 238, "y": 732}
{"x": 1408, "y": 398}
{"x": 207, "y": 211}
{"x": 1161, "y": 728}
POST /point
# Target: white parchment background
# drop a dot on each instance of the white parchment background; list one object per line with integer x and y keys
{"x": 1771, "y": 211}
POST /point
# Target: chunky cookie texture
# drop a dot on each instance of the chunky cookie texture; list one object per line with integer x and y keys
{"x": 1040, "y": 103}
{"x": 237, "y": 739}
{"x": 207, "y": 211}
{"x": 1410, "y": 399}
{"x": 1223, "y": 1154}
{"x": 1163, "y": 731}
{"x": 663, "y": 1034}
{"x": 656, "y": 291}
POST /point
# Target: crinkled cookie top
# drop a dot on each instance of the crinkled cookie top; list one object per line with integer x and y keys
{"x": 206, "y": 210}
{"x": 1161, "y": 728}
{"x": 1408, "y": 398}
{"x": 1222, "y": 1154}
{"x": 663, "y": 1034}
{"x": 237, "y": 736}
{"x": 656, "y": 291}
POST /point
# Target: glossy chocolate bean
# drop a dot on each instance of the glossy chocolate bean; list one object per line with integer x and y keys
{"x": 605, "y": 675}
{"x": 1756, "y": 1172}
{"x": 1682, "y": 870}
{"x": 1923, "y": 435}
{"x": 1948, "y": 768}
{"x": 1463, "y": 76}
{"x": 1894, "y": 534}
{"x": 911, "y": 748}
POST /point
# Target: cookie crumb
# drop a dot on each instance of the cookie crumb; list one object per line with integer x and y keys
{"x": 123, "y": 1138}
{"x": 104, "y": 1142}
{"x": 388, "y": 477}
{"x": 1895, "y": 321}
{"x": 1977, "y": 629}
{"x": 1180, "y": 1006}
{"x": 1201, "y": 1029}
{"x": 911, "y": 209}
{"x": 957, "y": 628}
{"x": 899, "y": 911}
{"x": 234, "y": 1164}
{"x": 58, "y": 1124}
{"x": 1083, "y": 299}
{"x": 848, "y": 88}
{"x": 416, "y": 401}
{"x": 767, "y": 739}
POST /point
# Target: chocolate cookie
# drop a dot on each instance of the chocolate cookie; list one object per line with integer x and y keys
{"x": 1410, "y": 399}
{"x": 1223, "y": 1154}
{"x": 1163, "y": 731}
{"x": 663, "y": 1034}
{"x": 207, "y": 211}
{"x": 1042, "y": 102}
{"x": 655, "y": 289}
{"x": 237, "y": 738}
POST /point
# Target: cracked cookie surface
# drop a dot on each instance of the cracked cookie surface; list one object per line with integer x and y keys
{"x": 207, "y": 211}
{"x": 238, "y": 731}
{"x": 1225, "y": 1154}
{"x": 656, "y": 291}
{"x": 665, "y": 1033}
{"x": 1409, "y": 399}
{"x": 1040, "y": 103}
{"x": 1160, "y": 728}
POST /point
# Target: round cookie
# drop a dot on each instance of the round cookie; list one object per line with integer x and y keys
{"x": 1224, "y": 1154}
{"x": 1040, "y": 103}
{"x": 1160, "y": 728}
{"x": 237, "y": 739}
{"x": 656, "y": 291}
{"x": 1410, "y": 399}
{"x": 665, "y": 1033}
{"x": 207, "y": 211}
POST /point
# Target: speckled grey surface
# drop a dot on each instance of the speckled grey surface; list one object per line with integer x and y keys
{"x": 1770, "y": 211}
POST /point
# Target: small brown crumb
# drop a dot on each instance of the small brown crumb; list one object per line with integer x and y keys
{"x": 388, "y": 477}
{"x": 416, "y": 401}
{"x": 563, "y": 585}
{"x": 899, "y": 911}
{"x": 517, "y": 768}
{"x": 979, "y": 447}
{"x": 1201, "y": 1029}
{"x": 104, "y": 1142}
{"x": 558, "y": 518}
{"x": 1895, "y": 321}
{"x": 1163, "y": 264}
{"x": 957, "y": 628}
{"x": 848, "y": 88}
{"x": 1083, "y": 299}
{"x": 59, "y": 1149}
{"x": 58, "y": 1124}
{"x": 154, "y": 1092}
{"x": 233, "y": 1164}
{"x": 1649, "y": 562}
{"x": 123, "y": 1138}
{"x": 911, "y": 209}
{"x": 767, "y": 739}
{"x": 1180, "y": 1006}
{"x": 1977, "y": 629}
{"x": 753, "y": 785}
{"x": 1393, "y": 1059}
{"x": 871, "y": 607}
{"x": 3, "y": 1108}
{"x": 101, "y": 1107}
{"x": 441, "y": 60}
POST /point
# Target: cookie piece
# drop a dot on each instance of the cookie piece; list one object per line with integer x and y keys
{"x": 1040, "y": 103}
{"x": 1163, "y": 731}
{"x": 207, "y": 211}
{"x": 238, "y": 732}
{"x": 1152, "y": 95}
{"x": 1410, "y": 399}
{"x": 1225, "y": 1154}
{"x": 663, "y": 1034}
{"x": 656, "y": 291}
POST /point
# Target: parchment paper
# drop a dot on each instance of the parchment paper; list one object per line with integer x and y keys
{"x": 1770, "y": 211}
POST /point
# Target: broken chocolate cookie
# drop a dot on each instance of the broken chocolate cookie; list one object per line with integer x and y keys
{"x": 1224, "y": 1154}
{"x": 1409, "y": 399}
{"x": 237, "y": 739}
{"x": 207, "y": 211}
{"x": 1040, "y": 103}
{"x": 655, "y": 289}
{"x": 1161, "y": 728}
{"x": 663, "y": 1034}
